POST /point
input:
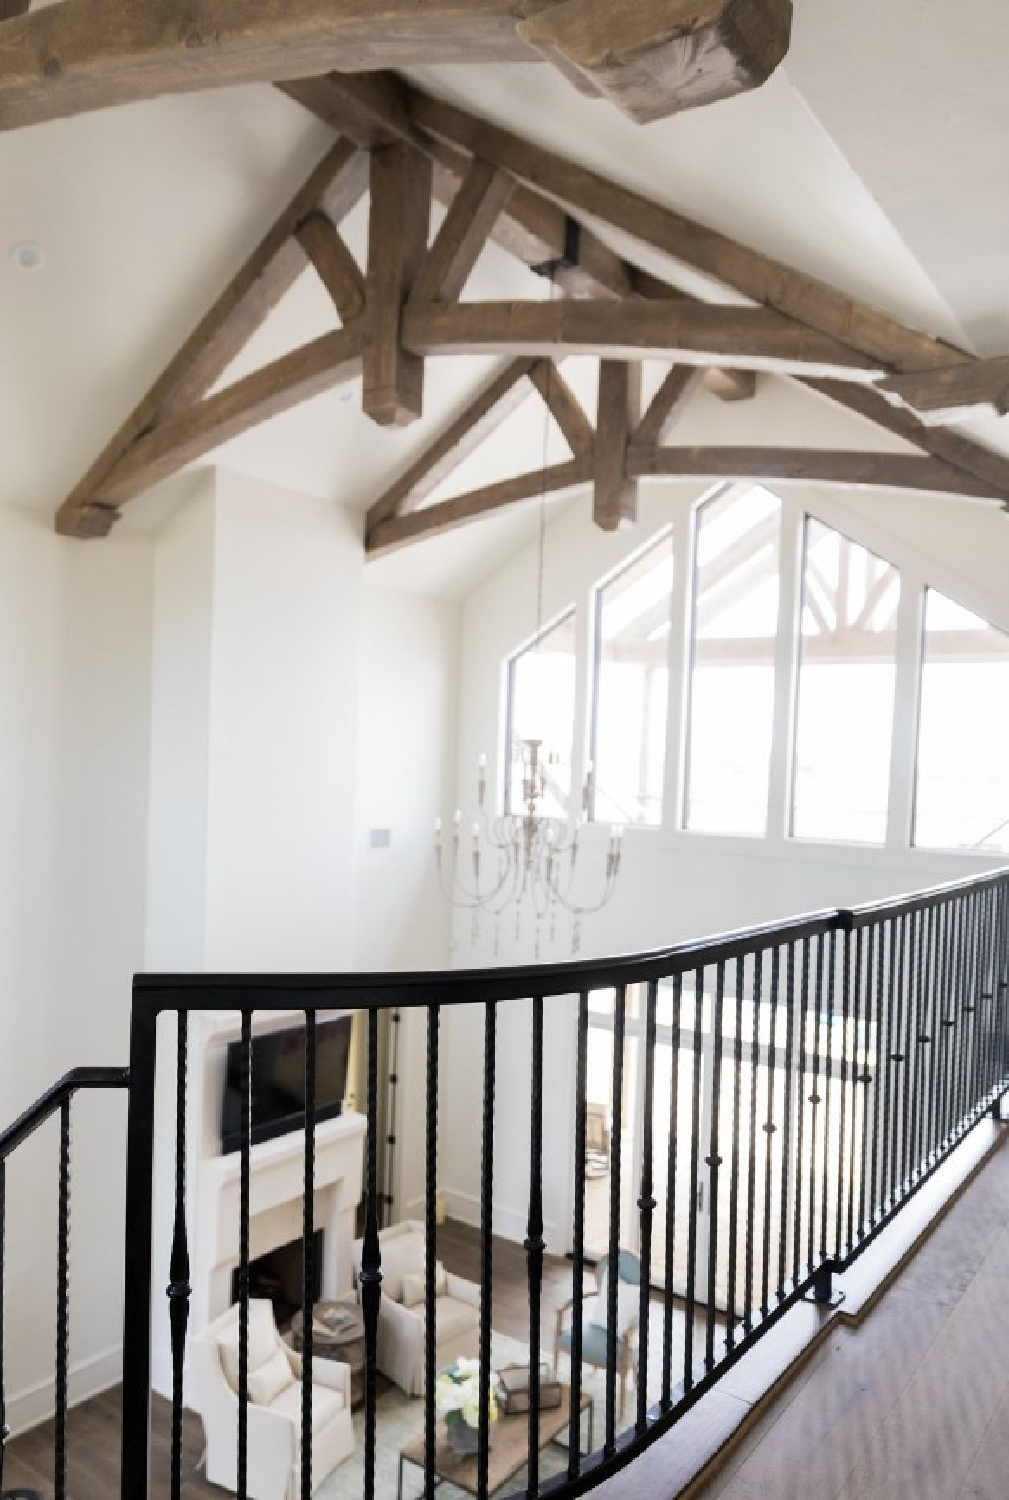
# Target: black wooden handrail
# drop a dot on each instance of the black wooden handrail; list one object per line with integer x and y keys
{"x": 52, "y": 1101}
{"x": 901, "y": 906}
{"x": 370, "y": 990}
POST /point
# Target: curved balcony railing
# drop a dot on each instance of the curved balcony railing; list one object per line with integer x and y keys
{"x": 728, "y": 1123}
{"x": 794, "y": 1085}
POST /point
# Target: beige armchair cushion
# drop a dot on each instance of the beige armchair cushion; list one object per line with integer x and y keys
{"x": 401, "y": 1256}
{"x": 269, "y": 1370}
{"x": 414, "y": 1285}
{"x": 326, "y": 1404}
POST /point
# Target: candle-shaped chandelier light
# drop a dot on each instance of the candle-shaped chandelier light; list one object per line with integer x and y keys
{"x": 527, "y": 860}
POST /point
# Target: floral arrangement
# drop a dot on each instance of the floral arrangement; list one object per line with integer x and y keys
{"x": 457, "y": 1394}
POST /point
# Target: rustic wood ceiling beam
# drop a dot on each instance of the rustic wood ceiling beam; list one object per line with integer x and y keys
{"x": 875, "y": 335}
{"x": 84, "y": 55}
{"x": 690, "y": 332}
{"x": 464, "y": 232}
{"x": 397, "y": 243}
{"x": 374, "y": 110}
{"x": 878, "y": 470}
{"x": 323, "y": 365}
{"x": 957, "y": 392}
{"x": 615, "y": 491}
{"x": 338, "y": 271}
{"x": 386, "y": 101}
{"x": 691, "y": 51}
{"x": 651, "y": 57}
{"x": 672, "y": 395}
{"x": 450, "y": 514}
{"x": 960, "y": 453}
{"x": 505, "y": 394}
{"x": 334, "y": 187}
{"x": 564, "y": 406}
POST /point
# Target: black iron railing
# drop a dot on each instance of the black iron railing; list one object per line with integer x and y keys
{"x": 812, "y": 1075}
{"x": 775, "y": 1097}
{"x": 57, "y": 1101}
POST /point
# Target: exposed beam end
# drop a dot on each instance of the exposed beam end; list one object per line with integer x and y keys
{"x": 732, "y": 385}
{"x": 401, "y": 404}
{"x": 655, "y": 59}
{"x": 87, "y": 522}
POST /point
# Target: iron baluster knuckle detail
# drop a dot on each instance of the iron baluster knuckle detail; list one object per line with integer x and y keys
{"x": 370, "y": 1275}
{"x": 179, "y": 1289}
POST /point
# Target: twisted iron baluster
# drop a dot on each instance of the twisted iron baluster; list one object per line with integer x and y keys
{"x": 646, "y": 1205}
{"x": 370, "y": 1277}
{"x": 308, "y": 1257}
{"x": 245, "y": 1083}
{"x": 63, "y": 1305}
{"x": 430, "y": 1299}
{"x": 178, "y": 1266}
{"x": 486, "y": 1245}
{"x": 581, "y": 1069}
{"x": 613, "y": 1252}
{"x": 534, "y": 1244}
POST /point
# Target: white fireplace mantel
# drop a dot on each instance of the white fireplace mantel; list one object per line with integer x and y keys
{"x": 276, "y": 1208}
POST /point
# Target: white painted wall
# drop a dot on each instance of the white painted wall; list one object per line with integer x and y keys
{"x": 75, "y": 641}
{"x": 675, "y": 884}
{"x": 252, "y": 794}
{"x": 407, "y": 733}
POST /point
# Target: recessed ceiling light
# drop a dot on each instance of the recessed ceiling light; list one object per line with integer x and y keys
{"x": 28, "y": 257}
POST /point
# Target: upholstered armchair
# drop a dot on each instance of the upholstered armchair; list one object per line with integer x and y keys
{"x": 401, "y": 1310}
{"x": 274, "y": 1423}
{"x": 595, "y": 1319}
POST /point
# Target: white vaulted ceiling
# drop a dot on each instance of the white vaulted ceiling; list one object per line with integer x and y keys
{"x": 874, "y": 160}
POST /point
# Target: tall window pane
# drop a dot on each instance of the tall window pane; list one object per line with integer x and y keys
{"x": 541, "y": 706}
{"x": 732, "y": 682}
{"x": 632, "y": 688}
{"x": 846, "y": 685}
{"x": 962, "y": 797}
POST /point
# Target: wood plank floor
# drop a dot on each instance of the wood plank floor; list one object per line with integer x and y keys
{"x": 912, "y": 1404}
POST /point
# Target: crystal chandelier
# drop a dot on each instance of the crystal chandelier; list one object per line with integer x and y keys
{"x": 527, "y": 860}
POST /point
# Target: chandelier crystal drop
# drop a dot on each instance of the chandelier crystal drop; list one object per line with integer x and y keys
{"x": 528, "y": 860}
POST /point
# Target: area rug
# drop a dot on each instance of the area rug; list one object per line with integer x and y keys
{"x": 401, "y": 1417}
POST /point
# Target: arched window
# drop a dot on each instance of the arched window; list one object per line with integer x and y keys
{"x": 962, "y": 790}
{"x": 541, "y": 706}
{"x": 735, "y": 624}
{"x": 847, "y": 674}
{"x": 631, "y": 694}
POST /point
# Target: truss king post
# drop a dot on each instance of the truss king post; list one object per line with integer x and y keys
{"x": 823, "y": 1293}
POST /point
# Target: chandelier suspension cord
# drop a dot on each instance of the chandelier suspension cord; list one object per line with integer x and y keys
{"x": 545, "y": 453}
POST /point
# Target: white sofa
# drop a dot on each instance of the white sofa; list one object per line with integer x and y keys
{"x": 401, "y": 1310}
{"x": 274, "y": 1423}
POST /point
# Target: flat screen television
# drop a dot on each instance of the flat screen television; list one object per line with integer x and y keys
{"x": 277, "y": 1079}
